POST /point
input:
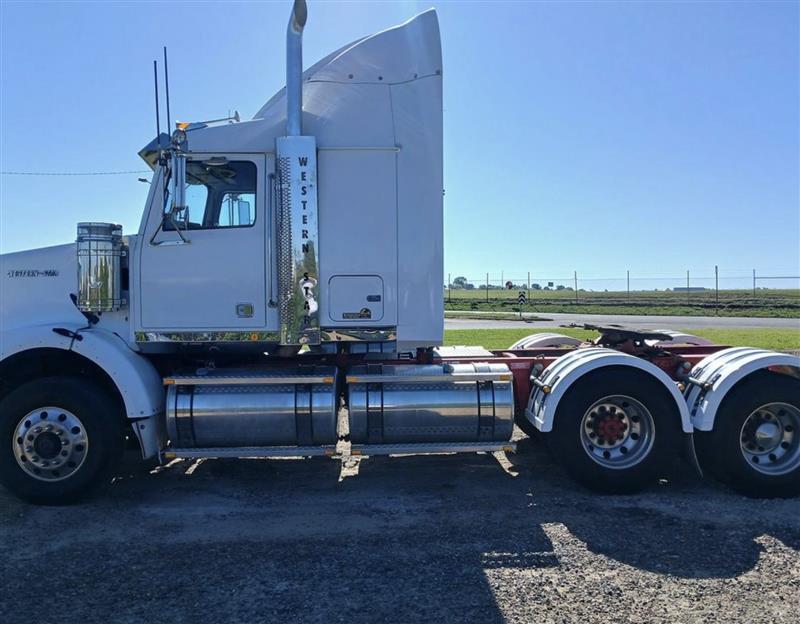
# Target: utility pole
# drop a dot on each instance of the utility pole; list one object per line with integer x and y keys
{"x": 629, "y": 285}
{"x": 487, "y": 288}
{"x": 754, "y": 283}
{"x": 716, "y": 287}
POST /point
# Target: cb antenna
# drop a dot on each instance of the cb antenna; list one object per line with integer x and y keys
{"x": 158, "y": 121}
{"x": 166, "y": 88}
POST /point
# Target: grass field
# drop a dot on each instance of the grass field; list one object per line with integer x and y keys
{"x": 766, "y": 302}
{"x": 780, "y": 339}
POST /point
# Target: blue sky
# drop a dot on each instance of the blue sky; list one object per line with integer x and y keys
{"x": 604, "y": 136}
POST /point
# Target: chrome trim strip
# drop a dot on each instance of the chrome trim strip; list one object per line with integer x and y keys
{"x": 339, "y": 334}
{"x": 355, "y": 334}
{"x": 207, "y": 336}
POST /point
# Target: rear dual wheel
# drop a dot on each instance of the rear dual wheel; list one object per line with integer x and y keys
{"x": 615, "y": 430}
{"x": 755, "y": 445}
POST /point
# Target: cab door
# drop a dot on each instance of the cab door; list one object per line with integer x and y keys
{"x": 206, "y": 267}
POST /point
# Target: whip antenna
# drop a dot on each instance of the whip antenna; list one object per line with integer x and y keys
{"x": 158, "y": 121}
{"x": 166, "y": 88}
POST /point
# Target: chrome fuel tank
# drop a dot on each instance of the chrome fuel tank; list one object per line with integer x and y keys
{"x": 263, "y": 408}
{"x": 431, "y": 403}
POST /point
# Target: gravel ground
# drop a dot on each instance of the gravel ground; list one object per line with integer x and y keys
{"x": 467, "y": 538}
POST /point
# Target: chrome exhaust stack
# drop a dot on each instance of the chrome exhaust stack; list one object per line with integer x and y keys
{"x": 294, "y": 68}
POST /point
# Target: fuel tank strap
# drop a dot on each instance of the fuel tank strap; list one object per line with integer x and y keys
{"x": 303, "y": 415}
{"x": 374, "y": 406}
{"x": 486, "y": 413}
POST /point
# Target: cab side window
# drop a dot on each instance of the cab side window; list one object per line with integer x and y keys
{"x": 220, "y": 193}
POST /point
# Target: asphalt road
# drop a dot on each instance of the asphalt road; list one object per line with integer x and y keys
{"x": 412, "y": 539}
{"x": 645, "y": 322}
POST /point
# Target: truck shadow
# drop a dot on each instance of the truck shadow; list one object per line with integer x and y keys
{"x": 683, "y": 527}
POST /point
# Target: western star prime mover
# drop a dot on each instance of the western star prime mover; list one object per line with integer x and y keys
{"x": 283, "y": 298}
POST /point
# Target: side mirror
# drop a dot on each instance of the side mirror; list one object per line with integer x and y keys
{"x": 178, "y": 181}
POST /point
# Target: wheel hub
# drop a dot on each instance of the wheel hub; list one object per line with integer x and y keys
{"x": 768, "y": 435}
{"x": 769, "y": 440}
{"x": 50, "y": 443}
{"x": 611, "y": 427}
{"x": 617, "y": 432}
{"x": 47, "y": 445}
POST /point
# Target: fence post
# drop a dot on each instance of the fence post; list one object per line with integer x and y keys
{"x": 487, "y": 288}
{"x": 688, "y": 302}
{"x": 629, "y": 284}
{"x": 449, "y": 282}
{"x": 716, "y": 288}
{"x": 754, "y": 283}
{"x": 529, "y": 287}
{"x": 576, "y": 287}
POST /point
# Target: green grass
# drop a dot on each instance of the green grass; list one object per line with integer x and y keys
{"x": 768, "y": 338}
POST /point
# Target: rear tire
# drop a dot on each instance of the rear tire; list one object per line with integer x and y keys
{"x": 59, "y": 438}
{"x": 615, "y": 430}
{"x": 758, "y": 464}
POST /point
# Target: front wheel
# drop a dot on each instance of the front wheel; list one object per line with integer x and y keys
{"x": 615, "y": 430}
{"x": 59, "y": 436}
{"x": 755, "y": 445}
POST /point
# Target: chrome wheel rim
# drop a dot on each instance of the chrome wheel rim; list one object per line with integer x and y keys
{"x": 617, "y": 432}
{"x": 50, "y": 444}
{"x": 769, "y": 439}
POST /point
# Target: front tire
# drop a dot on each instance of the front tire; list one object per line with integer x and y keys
{"x": 59, "y": 438}
{"x": 754, "y": 447}
{"x": 615, "y": 430}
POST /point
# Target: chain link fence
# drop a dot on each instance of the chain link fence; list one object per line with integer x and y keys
{"x": 756, "y": 293}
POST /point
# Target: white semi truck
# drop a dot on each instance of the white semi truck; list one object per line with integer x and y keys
{"x": 283, "y": 297}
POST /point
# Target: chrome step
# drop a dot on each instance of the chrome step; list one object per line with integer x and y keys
{"x": 431, "y": 448}
{"x": 248, "y": 452}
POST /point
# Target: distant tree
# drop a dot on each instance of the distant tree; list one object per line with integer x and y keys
{"x": 536, "y": 286}
{"x": 469, "y": 286}
{"x": 560, "y": 287}
{"x": 460, "y": 282}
